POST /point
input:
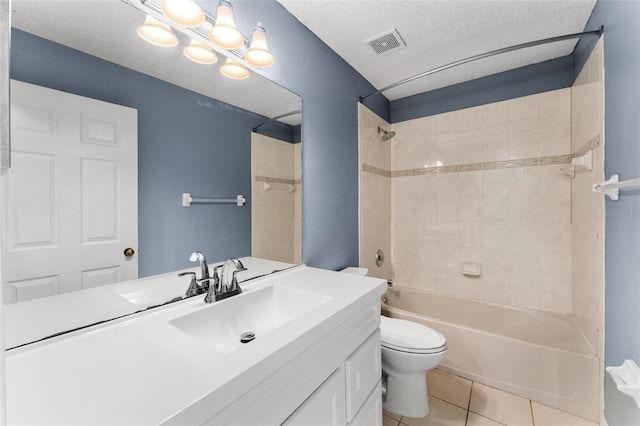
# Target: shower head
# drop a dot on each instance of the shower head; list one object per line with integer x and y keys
{"x": 387, "y": 135}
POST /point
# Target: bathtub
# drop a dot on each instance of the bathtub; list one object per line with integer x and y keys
{"x": 537, "y": 355}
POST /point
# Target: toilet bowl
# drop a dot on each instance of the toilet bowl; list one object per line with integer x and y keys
{"x": 409, "y": 349}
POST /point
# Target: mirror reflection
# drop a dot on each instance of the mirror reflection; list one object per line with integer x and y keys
{"x": 108, "y": 133}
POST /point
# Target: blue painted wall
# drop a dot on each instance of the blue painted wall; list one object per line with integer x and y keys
{"x": 330, "y": 89}
{"x": 621, "y": 20}
{"x": 537, "y": 78}
{"x": 187, "y": 143}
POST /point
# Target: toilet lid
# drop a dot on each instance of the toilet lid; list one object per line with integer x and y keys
{"x": 408, "y": 336}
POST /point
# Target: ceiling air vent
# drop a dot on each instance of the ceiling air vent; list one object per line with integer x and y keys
{"x": 387, "y": 42}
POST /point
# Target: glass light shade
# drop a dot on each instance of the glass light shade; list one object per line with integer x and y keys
{"x": 258, "y": 53}
{"x": 200, "y": 53}
{"x": 157, "y": 33}
{"x": 183, "y": 12}
{"x": 224, "y": 33}
{"x": 234, "y": 70}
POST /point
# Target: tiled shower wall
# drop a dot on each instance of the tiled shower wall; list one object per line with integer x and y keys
{"x": 482, "y": 185}
{"x": 588, "y": 207}
{"x": 275, "y": 210}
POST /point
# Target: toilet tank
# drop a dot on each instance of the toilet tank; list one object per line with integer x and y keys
{"x": 355, "y": 271}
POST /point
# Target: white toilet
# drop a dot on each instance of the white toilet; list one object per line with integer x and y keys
{"x": 409, "y": 349}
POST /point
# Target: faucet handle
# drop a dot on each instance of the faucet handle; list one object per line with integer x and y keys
{"x": 214, "y": 289}
{"x": 216, "y": 276}
{"x": 234, "y": 281}
{"x": 207, "y": 282}
{"x": 194, "y": 288}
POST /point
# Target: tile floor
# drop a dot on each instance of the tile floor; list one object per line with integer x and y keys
{"x": 455, "y": 401}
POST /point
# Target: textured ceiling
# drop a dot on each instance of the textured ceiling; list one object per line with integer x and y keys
{"x": 438, "y": 33}
{"x": 107, "y": 29}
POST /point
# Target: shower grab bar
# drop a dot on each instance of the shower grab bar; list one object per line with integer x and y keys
{"x": 611, "y": 187}
{"x": 188, "y": 200}
{"x": 486, "y": 55}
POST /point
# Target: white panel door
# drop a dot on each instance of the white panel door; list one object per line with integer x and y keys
{"x": 70, "y": 200}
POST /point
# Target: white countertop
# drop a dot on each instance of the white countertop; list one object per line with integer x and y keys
{"x": 68, "y": 311}
{"x": 143, "y": 370}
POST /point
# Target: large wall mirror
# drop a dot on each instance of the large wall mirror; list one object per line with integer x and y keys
{"x": 194, "y": 130}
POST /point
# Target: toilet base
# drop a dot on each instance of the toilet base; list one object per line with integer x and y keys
{"x": 407, "y": 395}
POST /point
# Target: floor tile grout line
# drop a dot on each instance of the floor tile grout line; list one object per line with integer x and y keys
{"x": 466, "y": 421}
{"x": 533, "y": 420}
{"x": 488, "y": 418}
{"x": 449, "y": 402}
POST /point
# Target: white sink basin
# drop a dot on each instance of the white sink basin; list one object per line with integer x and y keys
{"x": 260, "y": 312}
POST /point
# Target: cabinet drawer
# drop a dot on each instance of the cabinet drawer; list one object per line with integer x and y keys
{"x": 363, "y": 372}
{"x": 325, "y": 407}
{"x": 371, "y": 412}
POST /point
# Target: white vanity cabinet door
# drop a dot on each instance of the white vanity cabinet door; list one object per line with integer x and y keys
{"x": 371, "y": 412}
{"x": 364, "y": 371}
{"x": 325, "y": 407}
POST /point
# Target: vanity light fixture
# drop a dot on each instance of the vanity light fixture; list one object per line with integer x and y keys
{"x": 210, "y": 37}
{"x": 234, "y": 70}
{"x": 200, "y": 53}
{"x": 224, "y": 33}
{"x": 258, "y": 54}
{"x": 183, "y": 12}
{"x": 157, "y": 33}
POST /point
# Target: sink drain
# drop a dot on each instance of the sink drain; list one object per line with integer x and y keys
{"x": 247, "y": 336}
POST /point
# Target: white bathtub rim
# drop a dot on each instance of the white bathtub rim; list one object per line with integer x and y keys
{"x": 415, "y": 316}
{"x": 591, "y": 352}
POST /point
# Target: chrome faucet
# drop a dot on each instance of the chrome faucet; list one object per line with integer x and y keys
{"x": 197, "y": 256}
{"x": 225, "y": 283}
{"x": 194, "y": 288}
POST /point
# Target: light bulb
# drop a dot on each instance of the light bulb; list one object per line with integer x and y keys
{"x": 224, "y": 33}
{"x": 258, "y": 53}
{"x": 234, "y": 70}
{"x": 183, "y": 12}
{"x": 200, "y": 53}
{"x": 157, "y": 33}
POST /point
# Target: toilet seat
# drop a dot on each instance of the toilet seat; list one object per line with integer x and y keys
{"x": 408, "y": 336}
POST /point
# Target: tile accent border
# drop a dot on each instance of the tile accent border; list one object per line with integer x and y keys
{"x": 594, "y": 143}
{"x": 493, "y": 165}
{"x": 375, "y": 170}
{"x": 278, "y": 180}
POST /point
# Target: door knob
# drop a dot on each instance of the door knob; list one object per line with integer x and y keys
{"x": 128, "y": 252}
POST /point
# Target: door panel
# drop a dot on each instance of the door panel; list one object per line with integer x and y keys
{"x": 71, "y": 197}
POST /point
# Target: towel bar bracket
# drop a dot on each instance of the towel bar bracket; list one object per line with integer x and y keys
{"x": 188, "y": 200}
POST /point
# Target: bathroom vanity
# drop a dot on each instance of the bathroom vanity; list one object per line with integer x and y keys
{"x": 315, "y": 359}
